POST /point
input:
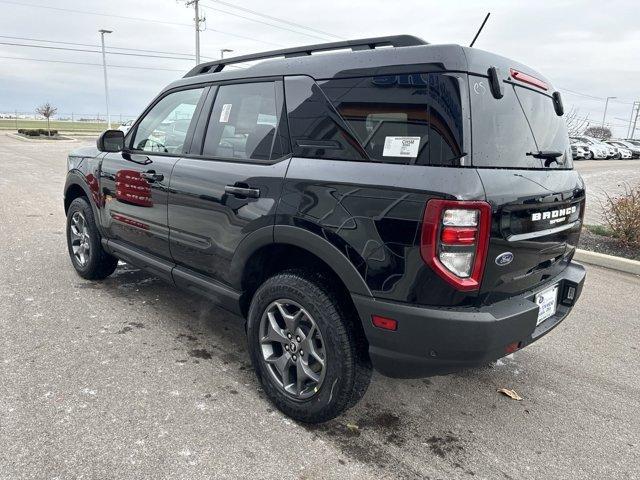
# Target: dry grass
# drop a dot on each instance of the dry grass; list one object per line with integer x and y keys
{"x": 622, "y": 215}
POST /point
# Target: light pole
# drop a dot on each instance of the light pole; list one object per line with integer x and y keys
{"x": 104, "y": 68}
{"x": 223, "y": 51}
{"x": 605, "y": 110}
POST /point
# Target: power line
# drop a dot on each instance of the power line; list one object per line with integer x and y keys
{"x": 580, "y": 94}
{"x": 139, "y": 19}
{"x": 265, "y": 23}
{"x": 294, "y": 24}
{"x": 91, "y": 51}
{"x": 85, "y": 12}
{"x": 94, "y": 45}
{"x": 593, "y": 97}
{"x": 90, "y": 64}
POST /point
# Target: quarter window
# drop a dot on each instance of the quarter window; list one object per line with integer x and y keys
{"x": 407, "y": 118}
{"x": 243, "y": 122}
{"x": 164, "y": 128}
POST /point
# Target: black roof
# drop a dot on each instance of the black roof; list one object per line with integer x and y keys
{"x": 403, "y": 54}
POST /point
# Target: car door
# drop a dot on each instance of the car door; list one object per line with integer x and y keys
{"x": 231, "y": 188}
{"x": 134, "y": 183}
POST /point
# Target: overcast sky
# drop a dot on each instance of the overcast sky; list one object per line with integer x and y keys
{"x": 588, "y": 47}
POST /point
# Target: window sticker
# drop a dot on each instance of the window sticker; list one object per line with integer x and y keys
{"x": 401, "y": 147}
{"x": 226, "y": 111}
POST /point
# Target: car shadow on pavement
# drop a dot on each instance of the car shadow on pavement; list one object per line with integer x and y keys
{"x": 397, "y": 422}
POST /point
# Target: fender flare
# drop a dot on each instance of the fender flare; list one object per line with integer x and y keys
{"x": 77, "y": 178}
{"x": 306, "y": 240}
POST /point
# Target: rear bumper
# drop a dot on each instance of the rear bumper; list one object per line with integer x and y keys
{"x": 435, "y": 341}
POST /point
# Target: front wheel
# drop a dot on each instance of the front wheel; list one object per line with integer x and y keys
{"x": 308, "y": 353}
{"x": 588, "y": 156}
{"x": 88, "y": 257}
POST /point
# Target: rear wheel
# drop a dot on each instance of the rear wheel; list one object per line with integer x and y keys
{"x": 88, "y": 257}
{"x": 588, "y": 155}
{"x": 309, "y": 356}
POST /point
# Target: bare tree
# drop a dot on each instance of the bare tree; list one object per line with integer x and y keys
{"x": 603, "y": 133}
{"x": 576, "y": 124}
{"x": 47, "y": 111}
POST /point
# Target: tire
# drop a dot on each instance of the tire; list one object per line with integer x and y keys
{"x": 617, "y": 156}
{"x": 333, "y": 387}
{"x": 588, "y": 155}
{"x": 88, "y": 257}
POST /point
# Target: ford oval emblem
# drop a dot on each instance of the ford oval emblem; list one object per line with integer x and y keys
{"x": 504, "y": 259}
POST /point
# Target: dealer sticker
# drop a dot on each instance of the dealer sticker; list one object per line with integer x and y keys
{"x": 226, "y": 111}
{"x": 401, "y": 147}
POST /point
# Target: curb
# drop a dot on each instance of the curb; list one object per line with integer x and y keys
{"x": 18, "y": 137}
{"x": 608, "y": 261}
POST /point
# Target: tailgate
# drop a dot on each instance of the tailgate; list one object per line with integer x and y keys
{"x": 537, "y": 216}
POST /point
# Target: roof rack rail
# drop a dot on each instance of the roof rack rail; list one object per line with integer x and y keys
{"x": 360, "y": 44}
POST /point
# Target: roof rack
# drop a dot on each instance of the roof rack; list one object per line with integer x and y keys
{"x": 361, "y": 44}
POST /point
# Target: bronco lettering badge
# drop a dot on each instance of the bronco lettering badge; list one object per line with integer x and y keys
{"x": 554, "y": 216}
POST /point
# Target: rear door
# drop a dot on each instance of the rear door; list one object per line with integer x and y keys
{"x": 134, "y": 183}
{"x": 232, "y": 186}
{"x": 537, "y": 202}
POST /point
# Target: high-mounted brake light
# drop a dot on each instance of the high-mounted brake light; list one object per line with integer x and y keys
{"x": 455, "y": 238}
{"x": 524, "y": 78}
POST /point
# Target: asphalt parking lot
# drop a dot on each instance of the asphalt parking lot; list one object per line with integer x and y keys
{"x": 131, "y": 378}
{"x": 606, "y": 177}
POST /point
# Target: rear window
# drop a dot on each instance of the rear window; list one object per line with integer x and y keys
{"x": 506, "y": 129}
{"x": 408, "y": 119}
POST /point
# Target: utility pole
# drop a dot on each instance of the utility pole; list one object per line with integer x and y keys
{"x": 633, "y": 108}
{"x": 605, "y": 111}
{"x": 104, "y": 67}
{"x": 197, "y": 20}
{"x": 633, "y": 132}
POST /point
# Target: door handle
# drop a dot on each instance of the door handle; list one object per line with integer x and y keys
{"x": 151, "y": 176}
{"x": 242, "y": 191}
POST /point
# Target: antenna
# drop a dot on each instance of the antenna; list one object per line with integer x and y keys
{"x": 480, "y": 29}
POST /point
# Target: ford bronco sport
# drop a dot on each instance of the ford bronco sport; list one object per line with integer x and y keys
{"x": 394, "y": 205}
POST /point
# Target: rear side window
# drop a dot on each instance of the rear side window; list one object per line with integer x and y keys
{"x": 408, "y": 119}
{"x": 506, "y": 129}
{"x": 316, "y": 129}
{"x": 243, "y": 122}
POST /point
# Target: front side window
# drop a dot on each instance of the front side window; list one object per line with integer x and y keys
{"x": 164, "y": 128}
{"x": 243, "y": 123}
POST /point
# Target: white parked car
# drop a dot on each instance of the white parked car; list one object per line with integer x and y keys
{"x": 125, "y": 126}
{"x": 597, "y": 150}
{"x": 634, "y": 149}
{"x": 579, "y": 150}
{"x": 621, "y": 151}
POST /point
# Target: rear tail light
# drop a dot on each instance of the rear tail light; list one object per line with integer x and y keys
{"x": 455, "y": 238}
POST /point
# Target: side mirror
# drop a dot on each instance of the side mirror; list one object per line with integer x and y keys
{"x": 111, "y": 141}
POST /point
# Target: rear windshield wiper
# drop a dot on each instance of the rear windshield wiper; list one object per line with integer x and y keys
{"x": 549, "y": 156}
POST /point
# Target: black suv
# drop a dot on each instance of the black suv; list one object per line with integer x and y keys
{"x": 392, "y": 205}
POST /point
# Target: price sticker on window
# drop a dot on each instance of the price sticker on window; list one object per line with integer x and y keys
{"x": 401, "y": 147}
{"x": 226, "y": 111}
